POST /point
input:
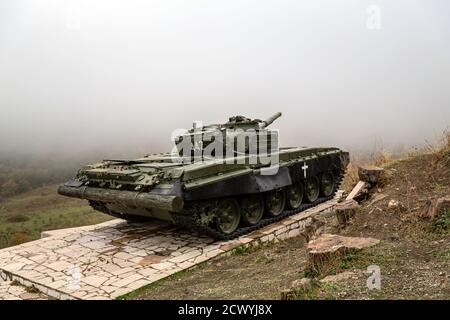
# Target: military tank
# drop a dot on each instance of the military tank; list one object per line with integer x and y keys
{"x": 222, "y": 180}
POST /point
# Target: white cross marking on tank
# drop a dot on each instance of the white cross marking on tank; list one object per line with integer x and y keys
{"x": 304, "y": 169}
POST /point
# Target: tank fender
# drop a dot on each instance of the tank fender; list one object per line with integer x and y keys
{"x": 271, "y": 182}
{"x": 245, "y": 184}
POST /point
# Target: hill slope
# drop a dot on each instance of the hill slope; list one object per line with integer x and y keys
{"x": 414, "y": 254}
{"x": 23, "y": 217}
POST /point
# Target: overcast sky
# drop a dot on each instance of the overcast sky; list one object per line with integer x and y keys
{"x": 96, "y": 73}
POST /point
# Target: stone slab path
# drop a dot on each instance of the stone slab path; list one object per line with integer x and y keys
{"x": 108, "y": 260}
{"x": 10, "y": 290}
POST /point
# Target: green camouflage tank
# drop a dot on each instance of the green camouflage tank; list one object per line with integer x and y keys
{"x": 223, "y": 180}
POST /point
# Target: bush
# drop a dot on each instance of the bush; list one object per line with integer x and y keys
{"x": 9, "y": 188}
{"x": 442, "y": 221}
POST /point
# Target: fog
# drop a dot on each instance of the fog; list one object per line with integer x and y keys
{"x": 116, "y": 75}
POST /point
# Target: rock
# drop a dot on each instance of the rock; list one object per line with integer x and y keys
{"x": 330, "y": 245}
{"x": 300, "y": 287}
{"x": 370, "y": 174}
{"x": 29, "y": 296}
{"x": 332, "y": 242}
{"x": 432, "y": 208}
{"x": 345, "y": 211}
{"x": 393, "y": 204}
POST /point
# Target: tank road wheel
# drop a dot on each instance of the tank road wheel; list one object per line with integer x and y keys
{"x": 312, "y": 189}
{"x": 295, "y": 195}
{"x": 275, "y": 202}
{"x": 228, "y": 216}
{"x": 252, "y": 209}
{"x": 327, "y": 184}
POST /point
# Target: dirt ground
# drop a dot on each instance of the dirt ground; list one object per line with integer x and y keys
{"x": 413, "y": 255}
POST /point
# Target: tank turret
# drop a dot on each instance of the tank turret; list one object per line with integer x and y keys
{"x": 247, "y": 123}
{"x": 237, "y": 137}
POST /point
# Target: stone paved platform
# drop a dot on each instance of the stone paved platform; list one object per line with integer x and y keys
{"x": 108, "y": 260}
{"x": 14, "y": 291}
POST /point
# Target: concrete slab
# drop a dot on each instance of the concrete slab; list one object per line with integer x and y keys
{"x": 111, "y": 259}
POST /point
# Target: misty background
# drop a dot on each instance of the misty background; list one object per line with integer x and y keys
{"x": 105, "y": 78}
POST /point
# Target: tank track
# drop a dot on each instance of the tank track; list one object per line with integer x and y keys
{"x": 190, "y": 222}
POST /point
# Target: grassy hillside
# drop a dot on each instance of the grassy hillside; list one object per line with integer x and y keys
{"x": 23, "y": 217}
{"x": 413, "y": 254}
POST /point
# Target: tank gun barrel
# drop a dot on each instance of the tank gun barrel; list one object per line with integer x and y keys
{"x": 269, "y": 120}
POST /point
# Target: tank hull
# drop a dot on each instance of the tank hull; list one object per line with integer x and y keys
{"x": 189, "y": 195}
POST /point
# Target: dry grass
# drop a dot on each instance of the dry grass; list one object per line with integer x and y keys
{"x": 383, "y": 158}
{"x": 441, "y": 152}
